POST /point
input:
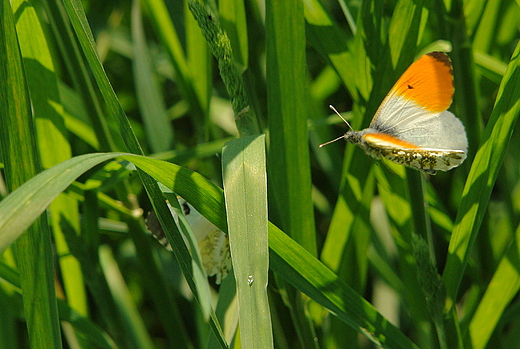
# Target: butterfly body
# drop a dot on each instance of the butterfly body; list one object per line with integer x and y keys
{"x": 378, "y": 143}
{"x": 212, "y": 242}
{"x": 413, "y": 127}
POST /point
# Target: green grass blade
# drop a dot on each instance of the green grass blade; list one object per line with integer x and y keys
{"x": 172, "y": 42}
{"x": 288, "y": 259}
{"x": 85, "y": 328}
{"x": 289, "y": 155}
{"x": 491, "y": 67}
{"x": 245, "y": 190}
{"x": 88, "y": 331}
{"x": 125, "y": 306}
{"x": 331, "y": 42}
{"x": 75, "y": 116}
{"x": 21, "y": 160}
{"x": 117, "y": 115}
{"x": 502, "y": 288}
{"x": 8, "y": 321}
{"x": 76, "y": 66}
{"x": 114, "y": 110}
{"x": 405, "y": 29}
{"x": 53, "y": 145}
{"x": 482, "y": 176}
{"x": 486, "y": 26}
{"x": 22, "y": 207}
{"x": 394, "y": 192}
{"x": 226, "y": 311}
{"x": 199, "y": 151}
{"x": 464, "y": 77}
{"x": 289, "y": 162}
{"x": 310, "y": 276}
{"x": 155, "y": 280}
{"x": 152, "y": 105}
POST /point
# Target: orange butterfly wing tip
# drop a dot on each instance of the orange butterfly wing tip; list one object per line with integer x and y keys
{"x": 428, "y": 82}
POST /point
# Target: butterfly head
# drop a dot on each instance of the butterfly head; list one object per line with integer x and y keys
{"x": 350, "y": 136}
{"x": 353, "y": 137}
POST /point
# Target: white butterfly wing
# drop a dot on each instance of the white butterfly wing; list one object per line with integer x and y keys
{"x": 213, "y": 243}
{"x": 411, "y": 123}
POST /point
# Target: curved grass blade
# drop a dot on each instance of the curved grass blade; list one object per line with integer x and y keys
{"x": 482, "y": 177}
{"x": 21, "y": 208}
{"x": 288, "y": 259}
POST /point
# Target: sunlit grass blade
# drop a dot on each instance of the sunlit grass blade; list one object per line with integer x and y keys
{"x": 21, "y": 158}
{"x": 482, "y": 176}
{"x": 491, "y": 67}
{"x": 486, "y": 26}
{"x": 326, "y": 36}
{"x": 82, "y": 81}
{"x": 75, "y": 115}
{"x": 22, "y": 207}
{"x": 289, "y": 157}
{"x": 405, "y": 28}
{"x": 53, "y": 145}
{"x": 245, "y": 190}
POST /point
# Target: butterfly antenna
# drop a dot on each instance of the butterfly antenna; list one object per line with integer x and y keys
{"x": 342, "y": 118}
{"x": 334, "y": 140}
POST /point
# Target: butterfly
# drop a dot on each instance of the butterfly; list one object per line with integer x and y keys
{"x": 412, "y": 126}
{"x": 212, "y": 242}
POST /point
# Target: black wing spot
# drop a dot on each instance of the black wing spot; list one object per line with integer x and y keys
{"x": 410, "y": 87}
{"x": 186, "y": 208}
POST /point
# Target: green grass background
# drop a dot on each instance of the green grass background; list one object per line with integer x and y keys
{"x": 330, "y": 249}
